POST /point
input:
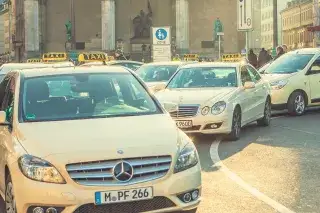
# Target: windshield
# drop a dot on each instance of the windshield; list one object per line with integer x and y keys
{"x": 204, "y": 77}
{"x": 156, "y": 73}
{"x": 289, "y": 63}
{"x": 78, "y": 96}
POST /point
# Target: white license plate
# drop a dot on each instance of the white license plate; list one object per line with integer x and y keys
{"x": 120, "y": 196}
{"x": 184, "y": 124}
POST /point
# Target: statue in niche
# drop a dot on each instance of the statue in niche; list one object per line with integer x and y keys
{"x": 142, "y": 23}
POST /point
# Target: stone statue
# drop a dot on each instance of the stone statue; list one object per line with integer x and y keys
{"x": 218, "y": 28}
{"x": 142, "y": 23}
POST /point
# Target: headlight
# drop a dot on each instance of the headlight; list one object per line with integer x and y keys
{"x": 278, "y": 84}
{"x": 39, "y": 170}
{"x": 205, "y": 110}
{"x": 218, "y": 107}
{"x": 187, "y": 158}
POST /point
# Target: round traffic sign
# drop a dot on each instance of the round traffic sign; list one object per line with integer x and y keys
{"x": 161, "y": 34}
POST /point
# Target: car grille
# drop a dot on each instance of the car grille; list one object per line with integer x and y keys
{"x": 156, "y": 203}
{"x": 185, "y": 111}
{"x": 100, "y": 173}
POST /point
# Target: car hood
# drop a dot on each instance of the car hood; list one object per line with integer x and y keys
{"x": 275, "y": 77}
{"x": 96, "y": 139}
{"x": 193, "y": 96}
{"x": 152, "y": 84}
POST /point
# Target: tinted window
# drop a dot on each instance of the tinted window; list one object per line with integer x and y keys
{"x": 204, "y": 77}
{"x": 155, "y": 73}
{"x": 254, "y": 74}
{"x": 289, "y": 63}
{"x": 245, "y": 75}
{"x": 80, "y": 96}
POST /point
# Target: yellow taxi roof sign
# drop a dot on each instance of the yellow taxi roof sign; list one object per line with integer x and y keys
{"x": 191, "y": 57}
{"x": 34, "y": 60}
{"x": 54, "y": 56}
{"x": 232, "y": 57}
{"x": 91, "y": 57}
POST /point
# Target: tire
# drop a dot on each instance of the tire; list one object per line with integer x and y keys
{"x": 265, "y": 120}
{"x": 296, "y": 104}
{"x": 234, "y": 135}
{"x": 190, "y": 211}
{"x": 9, "y": 197}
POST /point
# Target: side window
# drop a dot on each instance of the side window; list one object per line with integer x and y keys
{"x": 315, "y": 68}
{"x": 8, "y": 100}
{"x": 3, "y": 86}
{"x": 254, "y": 74}
{"x": 245, "y": 75}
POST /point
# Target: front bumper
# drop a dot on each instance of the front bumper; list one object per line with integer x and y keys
{"x": 203, "y": 124}
{"x": 279, "y": 98}
{"x": 72, "y": 197}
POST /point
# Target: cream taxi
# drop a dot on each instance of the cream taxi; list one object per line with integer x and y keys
{"x": 215, "y": 98}
{"x": 295, "y": 80}
{"x": 62, "y": 152}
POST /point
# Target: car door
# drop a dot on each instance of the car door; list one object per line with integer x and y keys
{"x": 261, "y": 89}
{"x": 4, "y": 130}
{"x": 246, "y": 96}
{"x": 314, "y": 80}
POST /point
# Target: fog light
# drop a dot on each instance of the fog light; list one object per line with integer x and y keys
{"x": 38, "y": 210}
{"x": 51, "y": 210}
{"x": 195, "y": 195}
{"x": 187, "y": 197}
{"x": 214, "y": 126}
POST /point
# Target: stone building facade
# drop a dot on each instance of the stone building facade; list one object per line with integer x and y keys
{"x": 100, "y": 23}
{"x": 296, "y": 19}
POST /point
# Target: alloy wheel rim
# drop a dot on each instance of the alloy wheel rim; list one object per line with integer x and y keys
{"x": 299, "y": 104}
{"x": 10, "y": 199}
{"x": 236, "y": 121}
{"x": 267, "y": 111}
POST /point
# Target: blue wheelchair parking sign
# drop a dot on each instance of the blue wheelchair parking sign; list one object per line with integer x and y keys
{"x": 161, "y": 34}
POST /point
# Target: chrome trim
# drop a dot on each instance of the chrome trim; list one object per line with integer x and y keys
{"x": 100, "y": 173}
{"x": 186, "y": 111}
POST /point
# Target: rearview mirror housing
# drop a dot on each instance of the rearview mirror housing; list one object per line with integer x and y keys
{"x": 159, "y": 87}
{"x": 3, "y": 118}
{"x": 249, "y": 85}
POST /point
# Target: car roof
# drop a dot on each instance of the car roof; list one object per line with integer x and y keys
{"x": 71, "y": 70}
{"x": 125, "y": 61}
{"x": 306, "y": 51}
{"x": 169, "y": 63}
{"x": 213, "y": 64}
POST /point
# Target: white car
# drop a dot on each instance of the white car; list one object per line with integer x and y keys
{"x": 157, "y": 74}
{"x": 216, "y": 98}
{"x": 63, "y": 152}
{"x": 295, "y": 81}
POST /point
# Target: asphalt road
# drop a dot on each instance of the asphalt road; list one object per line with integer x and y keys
{"x": 270, "y": 169}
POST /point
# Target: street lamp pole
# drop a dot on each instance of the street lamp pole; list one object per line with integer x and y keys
{"x": 10, "y": 34}
{"x": 73, "y": 24}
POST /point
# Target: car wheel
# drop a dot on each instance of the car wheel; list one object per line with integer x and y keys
{"x": 265, "y": 121}
{"x": 236, "y": 125}
{"x": 296, "y": 104}
{"x": 10, "y": 197}
{"x": 190, "y": 211}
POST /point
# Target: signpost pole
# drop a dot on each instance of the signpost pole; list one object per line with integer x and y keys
{"x": 219, "y": 47}
{"x": 73, "y": 24}
{"x": 247, "y": 44}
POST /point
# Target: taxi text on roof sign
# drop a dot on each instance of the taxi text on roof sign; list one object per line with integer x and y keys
{"x": 34, "y": 60}
{"x": 54, "y": 57}
{"x": 191, "y": 57}
{"x": 233, "y": 57}
{"x": 91, "y": 57}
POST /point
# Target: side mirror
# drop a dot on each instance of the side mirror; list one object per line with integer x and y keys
{"x": 315, "y": 68}
{"x": 249, "y": 85}
{"x": 170, "y": 107}
{"x": 159, "y": 87}
{"x": 3, "y": 119}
